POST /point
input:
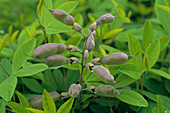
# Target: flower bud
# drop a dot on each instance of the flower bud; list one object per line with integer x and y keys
{"x": 48, "y": 49}
{"x": 63, "y": 17}
{"x": 77, "y": 27}
{"x": 36, "y": 101}
{"x": 92, "y": 27}
{"x": 56, "y": 60}
{"x": 90, "y": 43}
{"x": 74, "y": 90}
{"x": 86, "y": 54}
{"x": 106, "y": 91}
{"x": 115, "y": 58}
{"x": 95, "y": 61}
{"x": 90, "y": 66}
{"x": 72, "y": 48}
{"x": 103, "y": 74}
{"x": 107, "y": 18}
{"x": 74, "y": 60}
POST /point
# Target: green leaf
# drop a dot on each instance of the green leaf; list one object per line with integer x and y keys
{"x": 151, "y": 106}
{"x": 109, "y": 48}
{"x": 13, "y": 37}
{"x": 160, "y": 104}
{"x": 65, "y": 108}
{"x": 99, "y": 109}
{"x": 73, "y": 41}
{"x": 162, "y": 15}
{"x": 28, "y": 32}
{"x": 35, "y": 110}
{"x": 104, "y": 30}
{"x": 167, "y": 85}
{"x": 2, "y": 42}
{"x": 134, "y": 48}
{"x": 48, "y": 103}
{"x": 146, "y": 63}
{"x": 31, "y": 70}
{"x": 123, "y": 80}
{"x": 112, "y": 33}
{"x": 68, "y": 7}
{"x": 16, "y": 107}
{"x": 2, "y": 106}
{"x": 51, "y": 24}
{"x": 132, "y": 98}
{"x": 153, "y": 52}
{"x": 131, "y": 70}
{"x": 33, "y": 85}
{"x": 165, "y": 8}
{"x": 102, "y": 51}
{"x": 164, "y": 41}
{"x": 8, "y": 68}
{"x": 22, "y": 99}
{"x": 20, "y": 55}
{"x": 7, "y": 88}
{"x": 160, "y": 73}
{"x": 147, "y": 34}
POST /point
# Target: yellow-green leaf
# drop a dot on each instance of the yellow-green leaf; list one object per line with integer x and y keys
{"x": 112, "y": 33}
{"x": 165, "y": 8}
{"x": 28, "y": 32}
{"x": 14, "y": 35}
{"x": 40, "y": 4}
{"x": 2, "y": 42}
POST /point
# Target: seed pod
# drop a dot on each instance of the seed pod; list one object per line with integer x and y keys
{"x": 72, "y": 48}
{"x": 107, "y": 18}
{"x": 77, "y": 27}
{"x": 63, "y": 17}
{"x": 74, "y": 60}
{"x": 56, "y": 60}
{"x": 74, "y": 90}
{"x": 45, "y": 50}
{"x": 95, "y": 61}
{"x": 103, "y": 74}
{"x": 86, "y": 54}
{"x": 90, "y": 66}
{"x": 92, "y": 27}
{"x": 106, "y": 91}
{"x": 36, "y": 101}
{"x": 115, "y": 58}
{"x": 90, "y": 43}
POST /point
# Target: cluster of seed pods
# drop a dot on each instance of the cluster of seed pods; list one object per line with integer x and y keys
{"x": 51, "y": 53}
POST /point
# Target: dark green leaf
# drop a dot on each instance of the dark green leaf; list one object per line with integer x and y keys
{"x": 164, "y": 41}
{"x": 160, "y": 73}
{"x": 22, "y": 99}
{"x": 2, "y": 106}
{"x": 16, "y": 107}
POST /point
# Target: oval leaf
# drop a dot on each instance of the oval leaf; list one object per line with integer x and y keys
{"x": 112, "y": 33}
{"x": 22, "y": 99}
{"x": 132, "y": 98}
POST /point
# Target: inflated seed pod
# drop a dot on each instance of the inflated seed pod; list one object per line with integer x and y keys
{"x": 106, "y": 91}
{"x": 77, "y": 27}
{"x": 36, "y": 101}
{"x": 45, "y": 50}
{"x": 95, "y": 61}
{"x": 56, "y": 60}
{"x": 115, "y": 58}
{"x": 63, "y": 17}
{"x": 90, "y": 43}
{"x": 74, "y": 60}
{"x": 72, "y": 48}
{"x": 74, "y": 90}
{"x": 103, "y": 74}
{"x": 107, "y": 18}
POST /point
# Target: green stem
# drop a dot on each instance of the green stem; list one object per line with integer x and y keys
{"x": 52, "y": 71}
{"x": 110, "y": 106}
{"x": 137, "y": 84}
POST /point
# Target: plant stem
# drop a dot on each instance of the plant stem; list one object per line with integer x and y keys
{"x": 52, "y": 71}
{"x": 142, "y": 84}
{"x": 5, "y": 70}
{"x": 81, "y": 74}
{"x": 110, "y": 106}
{"x": 137, "y": 84}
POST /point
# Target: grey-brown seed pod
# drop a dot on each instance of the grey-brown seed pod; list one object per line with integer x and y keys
{"x": 103, "y": 74}
{"x": 95, "y": 61}
{"x": 74, "y": 90}
{"x": 36, "y": 101}
{"x": 77, "y": 27}
{"x": 107, "y": 18}
{"x": 74, "y": 60}
{"x": 90, "y": 43}
{"x": 56, "y": 60}
{"x": 106, "y": 91}
{"x": 92, "y": 27}
{"x": 45, "y": 50}
{"x": 63, "y": 17}
{"x": 115, "y": 58}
